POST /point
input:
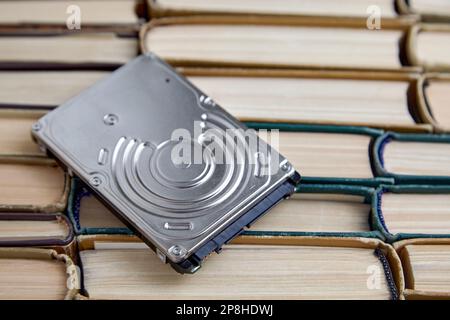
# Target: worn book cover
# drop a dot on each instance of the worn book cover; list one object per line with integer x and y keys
{"x": 428, "y": 47}
{"x": 426, "y": 268}
{"x": 345, "y": 12}
{"x": 315, "y": 96}
{"x": 433, "y": 94}
{"x": 412, "y": 158}
{"x": 314, "y": 210}
{"x": 63, "y": 14}
{"x": 37, "y": 274}
{"x": 32, "y": 184}
{"x": 426, "y": 10}
{"x": 412, "y": 211}
{"x": 50, "y": 49}
{"x": 117, "y": 267}
{"x": 233, "y": 41}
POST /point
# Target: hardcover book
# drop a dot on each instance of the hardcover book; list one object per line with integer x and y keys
{"x": 315, "y": 97}
{"x": 43, "y": 89}
{"x": 428, "y": 46}
{"x": 243, "y": 42}
{"x": 15, "y": 132}
{"x": 37, "y": 274}
{"x": 413, "y": 158}
{"x": 390, "y": 213}
{"x": 412, "y": 211}
{"x": 433, "y": 96}
{"x": 426, "y": 265}
{"x": 85, "y": 49}
{"x": 326, "y": 154}
{"x": 32, "y": 184}
{"x": 427, "y": 10}
{"x": 300, "y": 268}
{"x": 34, "y": 229}
{"x": 315, "y": 210}
{"x": 346, "y": 12}
{"x": 94, "y": 13}
{"x": 320, "y": 210}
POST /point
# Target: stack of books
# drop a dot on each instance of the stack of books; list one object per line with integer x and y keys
{"x": 358, "y": 89}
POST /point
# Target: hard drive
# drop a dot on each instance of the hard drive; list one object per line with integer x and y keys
{"x": 180, "y": 171}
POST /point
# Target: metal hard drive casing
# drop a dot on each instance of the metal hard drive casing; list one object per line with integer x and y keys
{"x": 117, "y": 136}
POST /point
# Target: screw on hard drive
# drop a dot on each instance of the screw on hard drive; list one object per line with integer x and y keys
{"x": 36, "y": 126}
{"x": 177, "y": 251}
{"x": 95, "y": 181}
{"x": 286, "y": 166}
{"x": 207, "y": 101}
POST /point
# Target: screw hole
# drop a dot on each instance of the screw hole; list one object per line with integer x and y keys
{"x": 167, "y": 80}
{"x": 110, "y": 119}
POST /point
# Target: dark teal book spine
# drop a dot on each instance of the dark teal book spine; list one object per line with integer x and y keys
{"x": 365, "y": 192}
{"x": 79, "y": 191}
{"x": 378, "y": 221}
{"x": 373, "y": 133}
{"x": 379, "y": 161}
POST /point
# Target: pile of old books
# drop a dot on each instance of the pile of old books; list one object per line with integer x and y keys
{"x": 358, "y": 89}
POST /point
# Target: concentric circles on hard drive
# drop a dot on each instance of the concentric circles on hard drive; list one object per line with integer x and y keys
{"x": 179, "y": 170}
